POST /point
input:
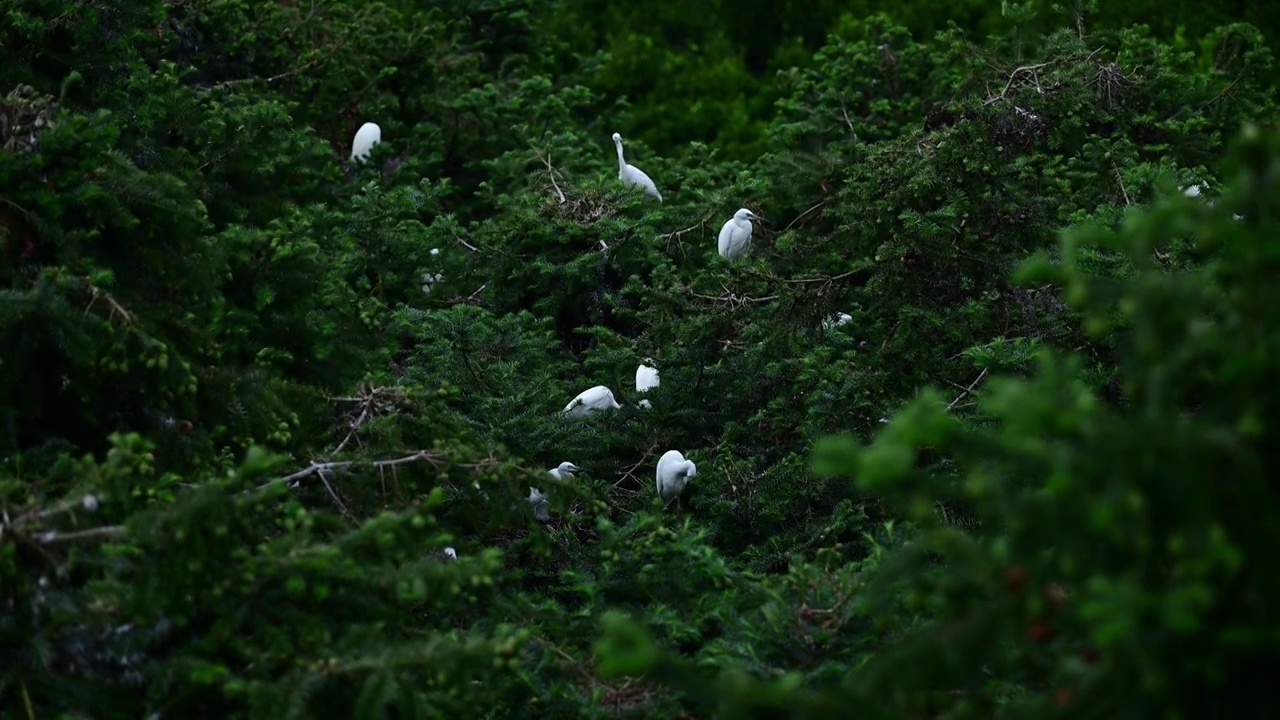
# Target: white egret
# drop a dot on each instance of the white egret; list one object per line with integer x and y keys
{"x": 673, "y": 474}
{"x": 589, "y": 401}
{"x": 564, "y": 471}
{"x": 367, "y": 136}
{"x": 451, "y": 553}
{"x": 541, "y": 507}
{"x": 1194, "y": 191}
{"x": 632, "y": 175}
{"x": 646, "y": 377}
{"x": 429, "y": 280}
{"x": 834, "y": 321}
{"x": 538, "y": 499}
{"x": 735, "y": 235}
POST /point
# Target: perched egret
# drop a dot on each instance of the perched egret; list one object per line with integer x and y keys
{"x": 735, "y": 235}
{"x": 429, "y": 280}
{"x": 541, "y": 507}
{"x": 367, "y": 136}
{"x": 673, "y": 474}
{"x": 632, "y": 175}
{"x": 834, "y": 321}
{"x": 589, "y": 401}
{"x": 1194, "y": 191}
{"x": 646, "y": 377}
{"x": 564, "y": 471}
{"x": 451, "y": 553}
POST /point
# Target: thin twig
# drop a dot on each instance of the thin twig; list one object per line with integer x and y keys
{"x": 1013, "y": 76}
{"x": 1123, "y": 191}
{"x": 334, "y": 495}
{"x": 968, "y": 390}
{"x": 803, "y": 214}
{"x": 830, "y": 279}
{"x": 630, "y": 473}
{"x": 551, "y": 172}
{"x": 330, "y": 52}
{"x": 113, "y": 532}
{"x": 364, "y": 414}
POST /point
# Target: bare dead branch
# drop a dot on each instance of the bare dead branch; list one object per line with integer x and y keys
{"x": 802, "y": 215}
{"x": 107, "y": 532}
{"x": 96, "y": 293}
{"x": 551, "y": 171}
{"x": 1123, "y": 191}
{"x": 969, "y": 389}
{"x": 1019, "y": 72}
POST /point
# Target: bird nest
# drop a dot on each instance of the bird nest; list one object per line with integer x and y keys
{"x": 584, "y": 207}
{"x": 25, "y": 115}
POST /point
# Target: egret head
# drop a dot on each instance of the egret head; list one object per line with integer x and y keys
{"x": 745, "y": 214}
{"x": 568, "y": 467}
{"x": 451, "y": 553}
{"x": 617, "y": 138}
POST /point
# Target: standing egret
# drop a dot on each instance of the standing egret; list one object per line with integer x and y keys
{"x": 646, "y": 377}
{"x": 836, "y": 320}
{"x": 735, "y": 235}
{"x": 367, "y": 136}
{"x": 632, "y": 175}
{"x": 589, "y": 401}
{"x": 673, "y": 474}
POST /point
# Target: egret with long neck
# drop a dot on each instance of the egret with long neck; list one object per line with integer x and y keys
{"x": 632, "y": 175}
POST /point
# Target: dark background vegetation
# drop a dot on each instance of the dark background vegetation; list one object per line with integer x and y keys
{"x": 1032, "y": 476}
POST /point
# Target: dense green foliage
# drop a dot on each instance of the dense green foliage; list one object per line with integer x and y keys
{"x": 251, "y": 389}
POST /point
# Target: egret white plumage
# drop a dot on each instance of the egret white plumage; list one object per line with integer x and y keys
{"x": 541, "y": 507}
{"x": 538, "y": 499}
{"x": 834, "y": 321}
{"x": 674, "y": 472}
{"x": 735, "y": 234}
{"x": 563, "y": 471}
{"x": 589, "y": 401}
{"x": 451, "y": 553}
{"x": 632, "y": 175}
{"x": 646, "y": 377}
{"x": 1194, "y": 191}
{"x": 367, "y": 136}
{"x": 429, "y": 280}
